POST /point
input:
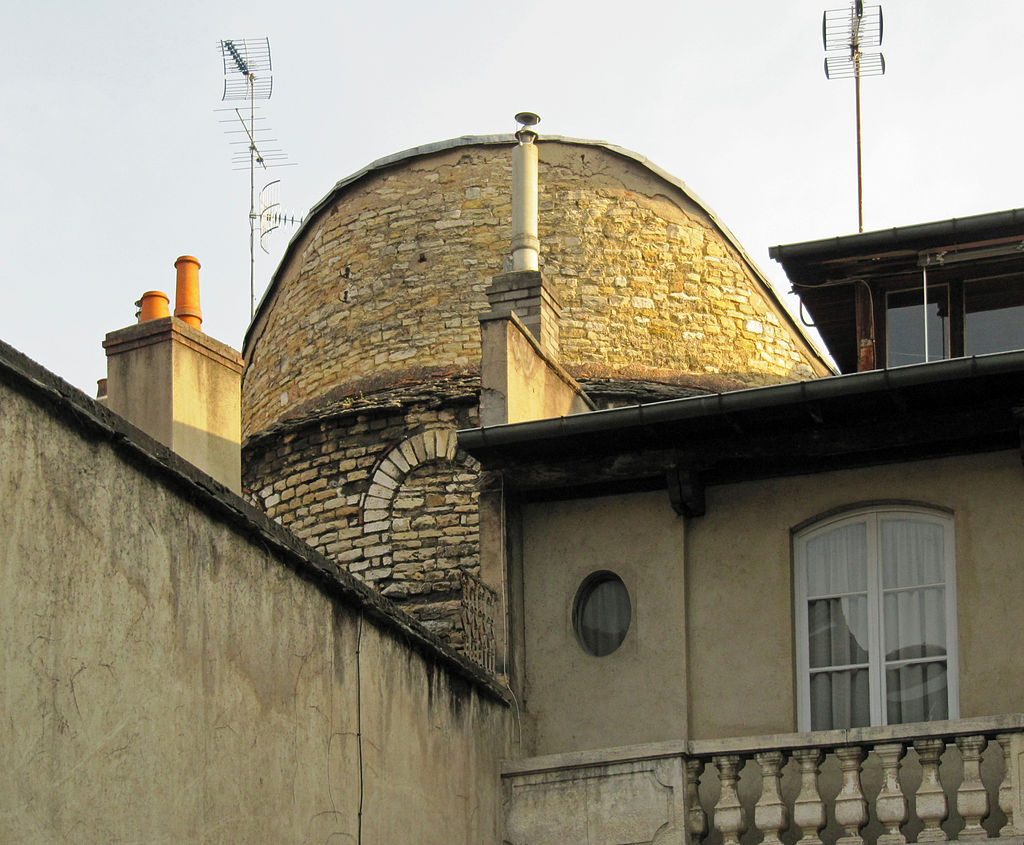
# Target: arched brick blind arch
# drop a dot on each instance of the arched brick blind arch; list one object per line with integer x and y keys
{"x": 420, "y": 520}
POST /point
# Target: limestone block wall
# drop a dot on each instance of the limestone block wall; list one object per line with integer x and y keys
{"x": 380, "y": 487}
{"x": 386, "y": 281}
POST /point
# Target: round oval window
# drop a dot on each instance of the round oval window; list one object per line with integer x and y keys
{"x": 601, "y": 613}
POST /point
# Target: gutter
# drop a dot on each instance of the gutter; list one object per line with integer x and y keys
{"x": 478, "y": 441}
{"x": 902, "y": 237}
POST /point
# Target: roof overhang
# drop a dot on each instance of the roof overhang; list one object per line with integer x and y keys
{"x": 944, "y": 408}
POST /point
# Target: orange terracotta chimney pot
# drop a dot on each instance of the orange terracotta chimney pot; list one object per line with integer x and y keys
{"x": 186, "y": 295}
{"x": 154, "y": 305}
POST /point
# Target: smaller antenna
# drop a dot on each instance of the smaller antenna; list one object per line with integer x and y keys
{"x": 844, "y": 32}
{"x": 271, "y": 216}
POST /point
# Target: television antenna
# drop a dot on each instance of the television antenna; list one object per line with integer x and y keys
{"x": 271, "y": 215}
{"x": 248, "y": 77}
{"x": 844, "y": 32}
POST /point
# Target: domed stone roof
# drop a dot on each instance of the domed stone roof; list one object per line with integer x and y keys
{"x": 385, "y": 282}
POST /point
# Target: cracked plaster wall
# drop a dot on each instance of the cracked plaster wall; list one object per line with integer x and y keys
{"x": 166, "y": 679}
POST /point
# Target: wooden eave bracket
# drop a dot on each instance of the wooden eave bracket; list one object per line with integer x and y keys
{"x": 686, "y": 491}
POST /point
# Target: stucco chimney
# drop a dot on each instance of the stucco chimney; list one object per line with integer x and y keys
{"x": 176, "y": 383}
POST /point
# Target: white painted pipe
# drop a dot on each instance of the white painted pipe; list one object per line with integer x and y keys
{"x": 525, "y": 243}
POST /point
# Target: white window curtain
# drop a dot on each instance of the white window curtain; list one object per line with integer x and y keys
{"x": 874, "y": 591}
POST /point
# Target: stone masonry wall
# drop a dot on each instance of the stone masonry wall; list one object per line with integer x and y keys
{"x": 379, "y": 486}
{"x": 388, "y": 283}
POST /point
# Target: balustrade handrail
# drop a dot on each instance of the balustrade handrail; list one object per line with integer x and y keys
{"x": 749, "y": 745}
{"x": 907, "y": 733}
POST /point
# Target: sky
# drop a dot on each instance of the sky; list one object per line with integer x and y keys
{"x": 114, "y": 161}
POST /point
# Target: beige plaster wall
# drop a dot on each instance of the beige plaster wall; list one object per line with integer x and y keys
{"x": 389, "y": 282}
{"x": 167, "y": 679}
{"x": 518, "y": 382}
{"x": 711, "y": 651}
{"x": 183, "y": 388}
{"x": 740, "y": 608}
{"x": 638, "y": 692}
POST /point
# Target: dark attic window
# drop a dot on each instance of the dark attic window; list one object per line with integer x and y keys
{"x": 993, "y": 315}
{"x": 908, "y": 321}
{"x": 601, "y": 613}
{"x": 965, "y": 316}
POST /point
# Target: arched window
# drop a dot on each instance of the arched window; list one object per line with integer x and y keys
{"x": 876, "y": 618}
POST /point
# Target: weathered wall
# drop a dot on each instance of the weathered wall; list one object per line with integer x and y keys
{"x": 723, "y": 600}
{"x": 638, "y": 692}
{"x": 387, "y": 282}
{"x": 519, "y": 382}
{"x": 183, "y": 388}
{"x": 167, "y": 678}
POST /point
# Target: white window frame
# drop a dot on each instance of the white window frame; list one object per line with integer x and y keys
{"x": 871, "y": 516}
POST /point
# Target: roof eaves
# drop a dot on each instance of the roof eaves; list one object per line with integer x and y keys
{"x": 477, "y": 441}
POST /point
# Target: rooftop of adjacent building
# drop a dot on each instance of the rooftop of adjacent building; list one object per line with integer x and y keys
{"x": 868, "y": 294}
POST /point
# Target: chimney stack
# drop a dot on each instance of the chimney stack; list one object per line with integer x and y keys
{"x": 186, "y": 292}
{"x": 525, "y": 243}
{"x": 177, "y": 384}
{"x": 153, "y": 306}
{"x": 522, "y": 290}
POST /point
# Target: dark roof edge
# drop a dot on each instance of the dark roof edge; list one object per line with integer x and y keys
{"x": 78, "y": 411}
{"x": 909, "y": 237}
{"x": 488, "y": 140}
{"x": 477, "y": 441}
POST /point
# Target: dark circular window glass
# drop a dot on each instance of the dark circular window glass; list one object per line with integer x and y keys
{"x": 601, "y": 613}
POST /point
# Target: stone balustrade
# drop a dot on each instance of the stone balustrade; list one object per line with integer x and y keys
{"x": 958, "y": 780}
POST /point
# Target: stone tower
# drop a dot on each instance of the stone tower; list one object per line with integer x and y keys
{"x": 364, "y": 356}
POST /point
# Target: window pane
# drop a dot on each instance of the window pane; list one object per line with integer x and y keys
{"x": 601, "y": 613}
{"x": 838, "y": 630}
{"x": 904, "y": 326}
{"x": 916, "y": 693}
{"x": 912, "y": 553}
{"x": 915, "y": 623}
{"x": 994, "y": 315}
{"x": 840, "y": 700}
{"x": 837, "y": 561}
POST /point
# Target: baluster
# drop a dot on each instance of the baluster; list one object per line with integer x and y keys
{"x": 1007, "y": 793}
{"x": 851, "y": 808}
{"x": 808, "y": 808}
{"x": 696, "y": 818}
{"x": 730, "y": 819}
{"x": 770, "y": 815}
{"x": 930, "y": 799}
{"x": 891, "y": 805}
{"x": 971, "y": 797}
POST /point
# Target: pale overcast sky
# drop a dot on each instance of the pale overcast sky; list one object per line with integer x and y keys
{"x": 114, "y": 161}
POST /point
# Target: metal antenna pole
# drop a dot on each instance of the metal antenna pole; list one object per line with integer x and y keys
{"x": 847, "y": 30}
{"x": 860, "y": 179}
{"x": 252, "y": 203}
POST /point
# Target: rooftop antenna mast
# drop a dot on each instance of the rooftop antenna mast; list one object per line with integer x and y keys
{"x": 247, "y": 78}
{"x": 844, "y": 32}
